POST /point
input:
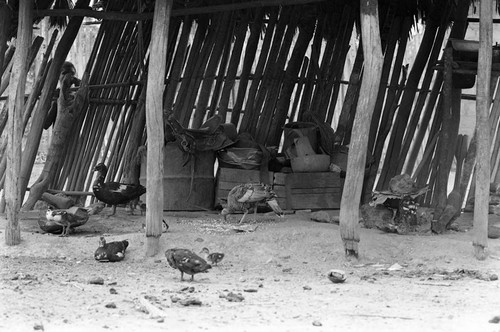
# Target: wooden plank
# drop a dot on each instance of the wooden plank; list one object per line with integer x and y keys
{"x": 121, "y": 16}
{"x": 239, "y": 176}
{"x": 324, "y": 191}
{"x": 313, "y": 190}
{"x": 314, "y": 180}
{"x": 279, "y": 178}
{"x": 314, "y": 201}
{"x": 154, "y": 125}
{"x": 483, "y": 103}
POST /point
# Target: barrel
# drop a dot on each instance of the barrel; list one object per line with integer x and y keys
{"x": 185, "y": 188}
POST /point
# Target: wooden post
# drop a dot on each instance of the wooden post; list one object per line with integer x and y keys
{"x": 351, "y": 196}
{"x": 154, "y": 125}
{"x": 15, "y": 122}
{"x": 43, "y": 105}
{"x": 483, "y": 103}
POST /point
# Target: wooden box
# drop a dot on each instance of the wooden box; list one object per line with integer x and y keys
{"x": 313, "y": 190}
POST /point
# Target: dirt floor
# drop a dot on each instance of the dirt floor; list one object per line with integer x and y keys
{"x": 399, "y": 283}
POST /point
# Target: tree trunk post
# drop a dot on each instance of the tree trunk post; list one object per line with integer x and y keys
{"x": 351, "y": 196}
{"x": 483, "y": 103}
{"x": 60, "y": 54}
{"x": 15, "y": 122}
{"x": 154, "y": 125}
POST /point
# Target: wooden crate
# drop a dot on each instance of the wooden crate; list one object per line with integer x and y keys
{"x": 228, "y": 178}
{"x": 313, "y": 190}
{"x": 279, "y": 188}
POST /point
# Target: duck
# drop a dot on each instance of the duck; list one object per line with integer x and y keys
{"x": 114, "y": 193}
{"x": 214, "y": 257}
{"x": 186, "y": 261}
{"x": 111, "y": 251}
{"x": 59, "y": 217}
{"x": 244, "y": 197}
{"x": 68, "y": 219}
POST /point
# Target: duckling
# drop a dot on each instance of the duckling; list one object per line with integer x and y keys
{"x": 115, "y": 193}
{"x": 214, "y": 257}
{"x": 111, "y": 252}
{"x": 186, "y": 261}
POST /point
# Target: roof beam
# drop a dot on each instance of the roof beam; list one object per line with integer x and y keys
{"x": 130, "y": 16}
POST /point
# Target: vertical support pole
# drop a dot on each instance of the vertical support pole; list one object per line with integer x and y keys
{"x": 15, "y": 122}
{"x": 351, "y": 196}
{"x": 154, "y": 125}
{"x": 483, "y": 103}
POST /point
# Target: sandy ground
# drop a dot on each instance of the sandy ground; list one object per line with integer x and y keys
{"x": 399, "y": 283}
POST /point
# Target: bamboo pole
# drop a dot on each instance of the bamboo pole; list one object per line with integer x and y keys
{"x": 177, "y": 65}
{"x": 199, "y": 70}
{"x": 15, "y": 121}
{"x": 154, "y": 124}
{"x": 229, "y": 82}
{"x": 394, "y": 147}
{"x": 340, "y": 64}
{"x": 190, "y": 66}
{"x": 313, "y": 68}
{"x": 209, "y": 76}
{"x": 250, "y": 53}
{"x": 267, "y": 125}
{"x": 348, "y": 109}
{"x": 219, "y": 80}
{"x": 349, "y": 206}
{"x": 306, "y": 31}
{"x": 298, "y": 90}
{"x": 251, "y": 110}
{"x": 483, "y": 102}
{"x": 266, "y": 81}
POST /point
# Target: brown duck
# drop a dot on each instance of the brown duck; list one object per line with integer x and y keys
{"x": 248, "y": 196}
{"x": 186, "y": 261}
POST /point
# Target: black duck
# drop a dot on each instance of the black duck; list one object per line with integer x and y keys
{"x": 244, "y": 197}
{"x": 115, "y": 193}
{"x": 186, "y": 261}
{"x": 110, "y": 252}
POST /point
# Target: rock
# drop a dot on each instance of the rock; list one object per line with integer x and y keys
{"x": 250, "y": 290}
{"x": 336, "y": 276}
{"x": 96, "y": 281}
{"x": 112, "y": 291}
{"x": 321, "y": 216}
{"x": 190, "y": 301}
{"x": 111, "y": 305}
{"x": 493, "y": 277}
{"x": 317, "y": 323}
{"x": 306, "y": 287}
{"x": 232, "y": 297}
{"x": 495, "y": 320}
{"x": 38, "y": 327}
{"x": 394, "y": 267}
